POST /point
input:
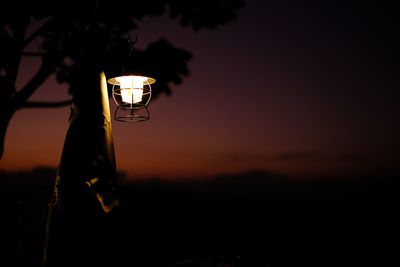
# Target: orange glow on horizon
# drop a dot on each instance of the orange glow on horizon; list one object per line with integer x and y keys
{"x": 320, "y": 105}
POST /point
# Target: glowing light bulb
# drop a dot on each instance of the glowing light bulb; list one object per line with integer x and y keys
{"x": 131, "y": 88}
{"x": 131, "y": 96}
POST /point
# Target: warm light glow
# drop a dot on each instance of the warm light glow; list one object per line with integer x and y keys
{"x": 131, "y": 96}
{"x": 131, "y": 88}
{"x": 131, "y": 81}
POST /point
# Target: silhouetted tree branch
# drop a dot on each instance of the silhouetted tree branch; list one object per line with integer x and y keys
{"x": 42, "y": 104}
{"x": 40, "y": 31}
{"x": 74, "y": 33}
{"x": 16, "y": 54}
{"x": 41, "y": 76}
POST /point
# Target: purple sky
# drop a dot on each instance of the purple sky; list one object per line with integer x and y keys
{"x": 291, "y": 88}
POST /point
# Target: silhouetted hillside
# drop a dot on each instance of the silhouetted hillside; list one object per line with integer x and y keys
{"x": 248, "y": 219}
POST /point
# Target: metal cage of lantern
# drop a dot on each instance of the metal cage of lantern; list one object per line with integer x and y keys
{"x": 131, "y": 111}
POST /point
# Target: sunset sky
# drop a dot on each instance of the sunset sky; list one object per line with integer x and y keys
{"x": 307, "y": 89}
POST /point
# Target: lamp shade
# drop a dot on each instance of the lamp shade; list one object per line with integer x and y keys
{"x": 131, "y": 92}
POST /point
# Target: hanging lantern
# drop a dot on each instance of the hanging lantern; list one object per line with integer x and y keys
{"x": 132, "y": 94}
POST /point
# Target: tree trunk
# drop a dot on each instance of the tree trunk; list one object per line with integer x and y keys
{"x": 5, "y": 118}
{"x": 85, "y": 187}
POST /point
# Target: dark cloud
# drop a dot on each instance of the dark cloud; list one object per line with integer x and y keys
{"x": 351, "y": 158}
{"x": 295, "y": 156}
{"x": 240, "y": 156}
{"x": 268, "y": 157}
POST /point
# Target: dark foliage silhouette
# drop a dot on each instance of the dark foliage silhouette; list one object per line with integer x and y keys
{"x": 78, "y": 43}
{"x": 70, "y": 32}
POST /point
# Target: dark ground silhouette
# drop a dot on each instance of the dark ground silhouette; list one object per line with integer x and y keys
{"x": 249, "y": 219}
